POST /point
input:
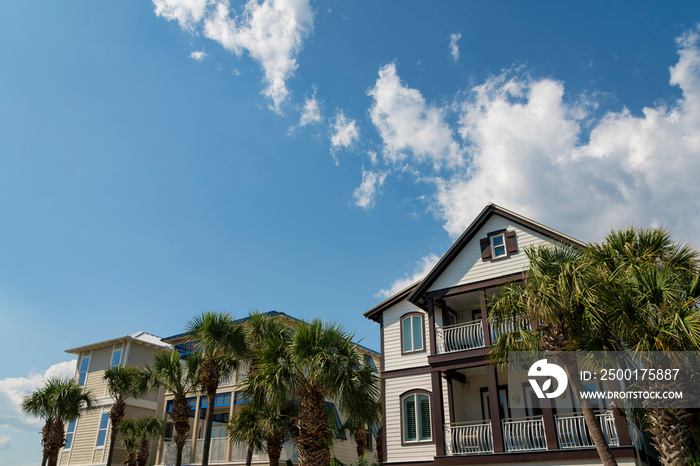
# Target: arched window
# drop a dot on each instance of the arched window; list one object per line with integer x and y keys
{"x": 415, "y": 417}
{"x": 412, "y": 331}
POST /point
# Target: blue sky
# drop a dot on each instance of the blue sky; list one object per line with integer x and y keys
{"x": 164, "y": 158}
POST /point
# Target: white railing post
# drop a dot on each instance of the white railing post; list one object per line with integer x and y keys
{"x": 525, "y": 434}
{"x": 440, "y": 339}
{"x": 459, "y": 337}
{"x": 468, "y": 438}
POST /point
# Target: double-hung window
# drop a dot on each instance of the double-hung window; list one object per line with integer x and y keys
{"x": 415, "y": 412}
{"x": 70, "y": 431}
{"x": 116, "y": 356}
{"x": 498, "y": 246}
{"x": 412, "y": 333}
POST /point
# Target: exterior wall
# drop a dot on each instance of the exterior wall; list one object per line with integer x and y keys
{"x": 141, "y": 356}
{"x": 393, "y": 359}
{"x": 99, "y": 362}
{"x": 83, "y": 441}
{"x": 468, "y": 267}
{"x": 396, "y": 453}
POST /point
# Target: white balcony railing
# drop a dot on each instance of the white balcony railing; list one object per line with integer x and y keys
{"x": 170, "y": 453}
{"x": 524, "y": 434}
{"x": 217, "y": 450}
{"x": 468, "y": 438}
{"x": 459, "y": 337}
{"x": 506, "y": 327}
{"x": 572, "y": 431}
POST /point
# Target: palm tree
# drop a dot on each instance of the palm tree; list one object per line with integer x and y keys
{"x": 556, "y": 295}
{"x": 222, "y": 343}
{"x": 262, "y": 331}
{"x": 179, "y": 378}
{"x": 57, "y": 402}
{"x": 361, "y": 409}
{"x": 136, "y": 436}
{"x": 319, "y": 362}
{"x": 649, "y": 292}
{"x": 263, "y": 428}
{"x": 122, "y": 382}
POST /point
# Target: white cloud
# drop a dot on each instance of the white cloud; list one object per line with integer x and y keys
{"x": 454, "y": 48}
{"x": 310, "y": 113}
{"x": 271, "y": 32}
{"x": 365, "y": 193}
{"x": 198, "y": 55}
{"x": 344, "y": 133}
{"x": 541, "y": 152}
{"x": 5, "y": 442}
{"x": 421, "y": 269}
{"x": 13, "y": 389}
{"x": 186, "y": 12}
{"x": 408, "y": 125}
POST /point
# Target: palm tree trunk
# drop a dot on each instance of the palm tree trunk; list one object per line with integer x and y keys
{"x": 116, "y": 414}
{"x": 589, "y": 416}
{"x": 209, "y": 422}
{"x": 670, "y": 434}
{"x": 249, "y": 456}
{"x": 361, "y": 440}
{"x": 143, "y": 452}
{"x": 313, "y": 429}
{"x": 181, "y": 418}
{"x": 380, "y": 444}
{"x": 274, "y": 451}
{"x": 56, "y": 441}
{"x": 45, "y": 432}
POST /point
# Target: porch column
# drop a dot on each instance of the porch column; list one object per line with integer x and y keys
{"x": 438, "y": 413}
{"x": 484, "y": 318}
{"x": 494, "y": 402}
{"x": 230, "y": 415}
{"x": 195, "y": 428}
{"x": 550, "y": 427}
{"x": 431, "y": 326}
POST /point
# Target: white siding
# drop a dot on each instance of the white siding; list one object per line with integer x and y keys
{"x": 395, "y": 386}
{"x": 392, "y": 338}
{"x": 468, "y": 267}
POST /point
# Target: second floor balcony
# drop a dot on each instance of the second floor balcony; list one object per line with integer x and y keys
{"x": 470, "y": 335}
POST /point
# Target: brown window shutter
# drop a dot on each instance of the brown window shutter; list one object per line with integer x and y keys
{"x": 511, "y": 242}
{"x": 485, "y": 249}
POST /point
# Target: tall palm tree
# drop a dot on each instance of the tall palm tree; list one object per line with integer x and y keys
{"x": 262, "y": 331}
{"x": 122, "y": 382}
{"x": 223, "y": 345}
{"x": 263, "y": 428}
{"x": 556, "y": 294}
{"x": 179, "y": 378}
{"x": 319, "y": 362}
{"x": 362, "y": 411}
{"x": 57, "y": 402}
{"x": 649, "y": 292}
{"x": 136, "y": 436}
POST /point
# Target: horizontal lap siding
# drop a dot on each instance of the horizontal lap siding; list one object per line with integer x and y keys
{"x": 99, "y": 362}
{"x": 395, "y": 452}
{"x": 84, "y": 439}
{"x": 468, "y": 266}
{"x": 141, "y": 356}
{"x": 392, "y": 339}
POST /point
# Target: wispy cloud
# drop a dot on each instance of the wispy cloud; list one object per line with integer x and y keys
{"x": 344, "y": 132}
{"x": 310, "y": 113}
{"x": 420, "y": 270}
{"x": 365, "y": 193}
{"x": 271, "y": 32}
{"x": 5, "y": 442}
{"x": 198, "y": 55}
{"x": 454, "y": 48}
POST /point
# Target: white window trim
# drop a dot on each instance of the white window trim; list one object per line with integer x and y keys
{"x": 87, "y": 370}
{"x": 409, "y": 318}
{"x": 97, "y": 436}
{"x": 121, "y": 358}
{"x": 504, "y": 246}
{"x": 418, "y": 416}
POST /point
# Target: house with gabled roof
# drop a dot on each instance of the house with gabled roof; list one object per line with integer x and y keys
{"x": 439, "y": 387}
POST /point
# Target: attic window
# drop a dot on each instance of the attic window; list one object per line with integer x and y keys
{"x": 498, "y": 245}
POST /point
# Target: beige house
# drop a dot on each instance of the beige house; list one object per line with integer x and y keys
{"x": 439, "y": 388}
{"x": 87, "y": 438}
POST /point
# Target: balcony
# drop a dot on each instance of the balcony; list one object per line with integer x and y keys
{"x": 527, "y": 434}
{"x": 572, "y": 431}
{"x": 217, "y": 453}
{"x": 470, "y": 335}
